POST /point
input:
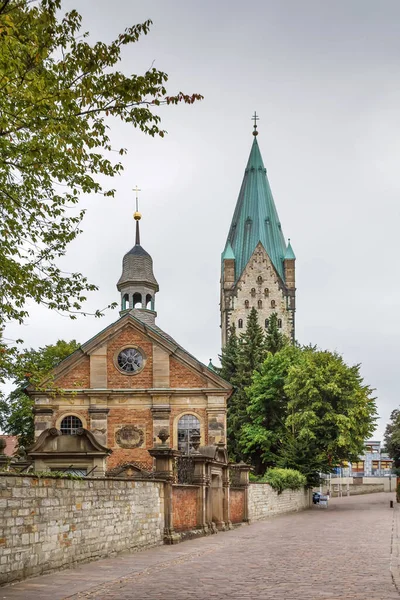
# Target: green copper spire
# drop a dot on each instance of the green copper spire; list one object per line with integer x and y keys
{"x": 255, "y": 218}
{"x": 228, "y": 252}
{"x": 289, "y": 254}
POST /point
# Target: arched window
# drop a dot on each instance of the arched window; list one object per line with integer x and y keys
{"x": 253, "y": 291}
{"x": 279, "y": 322}
{"x": 70, "y": 424}
{"x": 273, "y": 304}
{"x": 266, "y": 292}
{"x": 246, "y": 304}
{"x": 259, "y": 279}
{"x": 188, "y": 432}
{"x": 149, "y": 302}
{"x": 137, "y": 300}
{"x": 125, "y": 301}
{"x": 240, "y": 324}
{"x": 259, "y": 304}
{"x": 266, "y": 323}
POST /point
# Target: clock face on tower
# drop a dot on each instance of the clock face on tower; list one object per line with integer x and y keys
{"x": 130, "y": 360}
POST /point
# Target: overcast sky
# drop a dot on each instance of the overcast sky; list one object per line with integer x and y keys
{"x": 324, "y": 78}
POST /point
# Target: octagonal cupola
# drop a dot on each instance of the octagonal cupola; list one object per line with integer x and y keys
{"x": 137, "y": 283}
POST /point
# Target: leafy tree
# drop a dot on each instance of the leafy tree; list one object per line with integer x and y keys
{"x": 16, "y": 414}
{"x": 275, "y": 340}
{"x": 392, "y": 439}
{"x": 262, "y": 435}
{"x": 308, "y": 411}
{"x": 57, "y": 91}
{"x": 329, "y": 406}
{"x": 251, "y": 353}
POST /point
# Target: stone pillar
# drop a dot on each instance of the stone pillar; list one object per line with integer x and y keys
{"x": 98, "y": 423}
{"x": 164, "y": 469}
{"x": 202, "y": 479}
{"x": 242, "y": 472}
{"x": 216, "y": 420}
{"x": 226, "y": 498}
{"x": 43, "y": 419}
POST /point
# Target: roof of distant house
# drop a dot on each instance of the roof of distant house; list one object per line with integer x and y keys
{"x": 11, "y": 444}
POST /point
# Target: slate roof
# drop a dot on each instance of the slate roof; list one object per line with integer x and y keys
{"x": 137, "y": 267}
{"x": 255, "y": 218}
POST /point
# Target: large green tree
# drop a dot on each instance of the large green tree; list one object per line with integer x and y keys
{"x": 308, "y": 411}
{"x": 32, "y": 366}
{"x": 275, "y": 340}
{"x": 59, "y": 92}
{"x": 392, "y": 439}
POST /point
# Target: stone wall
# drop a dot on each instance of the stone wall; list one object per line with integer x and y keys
{"x": 184, "y": 506}
{"x": 264, "y": 502}
{"x": 49, "y": 524}
{"x": 356, "y": 490}
{"x": 236, "y": 504}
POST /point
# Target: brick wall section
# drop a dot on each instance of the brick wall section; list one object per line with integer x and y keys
{"x": 78, "y": 377}
{"x": 183, "y": 377}
{"x": 49, "y": 524}
{"x": 184, "y": 506}
{"x": 236, "y": 505}
{"x": 116, "y": 379}
{"x": 264, "y": 502}
{"x": 142, "y": 418}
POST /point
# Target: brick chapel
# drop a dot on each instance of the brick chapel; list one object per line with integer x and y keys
{"x": 119, "y": 389}
{"x": 257, "y": 266}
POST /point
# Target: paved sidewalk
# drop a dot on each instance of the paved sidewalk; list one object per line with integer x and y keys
{"x": 343, "y": 552}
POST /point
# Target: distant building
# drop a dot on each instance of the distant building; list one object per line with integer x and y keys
{"x": 373, "y": 463}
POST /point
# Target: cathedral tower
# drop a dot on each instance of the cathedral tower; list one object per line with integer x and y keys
{"x": 257, "y": 267}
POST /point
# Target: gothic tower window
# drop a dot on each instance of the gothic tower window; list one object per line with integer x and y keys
{"x": 280, "y": 323}
{"x": 259, "y": 279}
{"x": 149, "y": 301}
{"x": 253, "y": 292}
{"x": 188, "y": 432}
{"x": 70, "y": 424}
{"x": 246, "y": 304}
{"x": 273, "y": 304}
{"x": 259, "y": 304}
{"x": 240, "y": 324}
{"x": 266, "y": 323}
{"x": 266, "y": 292}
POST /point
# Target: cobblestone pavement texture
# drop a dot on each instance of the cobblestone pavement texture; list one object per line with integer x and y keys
{"x": 347, "y": 551}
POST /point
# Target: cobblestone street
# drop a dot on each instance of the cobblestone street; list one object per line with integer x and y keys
{"x": 342, "y": 552}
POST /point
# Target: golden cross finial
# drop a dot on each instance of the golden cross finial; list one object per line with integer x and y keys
{"x": 255, "y": 118}
{"x": 137, "y": 190}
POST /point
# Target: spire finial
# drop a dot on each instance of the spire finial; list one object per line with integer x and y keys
{"x": 137, "y": 216}
{"x": 255, "y": 118}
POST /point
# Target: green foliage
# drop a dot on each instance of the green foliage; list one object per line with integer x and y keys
{"x": 229, "y": 357}
{"x": 32, "y": 367}
{"x": 245, "y": 357}
{"x": 284, "y": 479}
{"x": 392, "y": 439}
{"x": 58, "y": 96}
{"x": 261, "y": 437}
{"x": 307, "y": 411}
{"x": 274, "y": 340}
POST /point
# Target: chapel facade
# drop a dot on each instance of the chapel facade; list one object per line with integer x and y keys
{"x": 105, "y": 405}
{"x": 257, "y": 266}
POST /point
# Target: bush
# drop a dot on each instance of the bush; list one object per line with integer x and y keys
{"x": 284, "y": 479}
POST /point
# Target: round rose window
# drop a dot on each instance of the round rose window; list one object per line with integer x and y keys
{"x": 130, "y": 360}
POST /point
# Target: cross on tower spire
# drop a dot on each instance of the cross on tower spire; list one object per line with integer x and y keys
{"x": 255, "y": 118}
{"x": 137, "y": 216}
